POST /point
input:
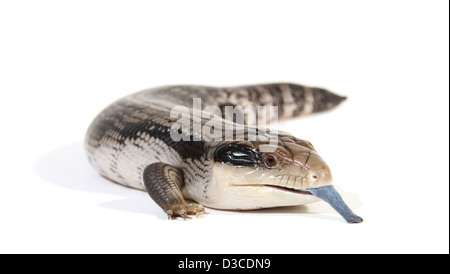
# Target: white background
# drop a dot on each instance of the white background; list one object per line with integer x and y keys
{"x": 61, "y": 62}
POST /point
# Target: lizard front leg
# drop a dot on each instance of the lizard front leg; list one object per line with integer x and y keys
{"x": 163, "y": 183}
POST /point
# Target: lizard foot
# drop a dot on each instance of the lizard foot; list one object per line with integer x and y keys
{"x": 184, "y": 210}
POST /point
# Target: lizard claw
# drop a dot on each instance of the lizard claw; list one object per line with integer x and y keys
{"x": 169, "y": 214}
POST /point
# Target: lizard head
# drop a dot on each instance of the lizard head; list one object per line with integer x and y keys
{"x": 261, "y": 174}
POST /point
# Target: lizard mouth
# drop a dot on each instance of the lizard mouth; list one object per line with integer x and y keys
{"x": 296, "y": 191}
{"x": 291, "y": 190}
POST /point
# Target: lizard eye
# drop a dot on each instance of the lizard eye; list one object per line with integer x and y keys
{"x": 271, "y": 160}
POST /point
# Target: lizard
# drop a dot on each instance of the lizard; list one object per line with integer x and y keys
{"x": 140, "y": 142}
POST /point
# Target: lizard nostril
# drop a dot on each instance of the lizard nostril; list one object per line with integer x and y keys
{"x": 313, "y": 177}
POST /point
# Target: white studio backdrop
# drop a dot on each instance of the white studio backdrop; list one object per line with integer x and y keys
{"x": 61, "y": 62}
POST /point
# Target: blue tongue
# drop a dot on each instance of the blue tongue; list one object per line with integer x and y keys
{"x": 331, "y": 196}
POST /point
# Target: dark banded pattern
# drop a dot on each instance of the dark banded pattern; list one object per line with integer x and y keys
{"x": 130, "y": 142}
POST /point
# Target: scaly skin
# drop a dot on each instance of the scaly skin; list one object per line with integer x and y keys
{"x": 131, "y": 142}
